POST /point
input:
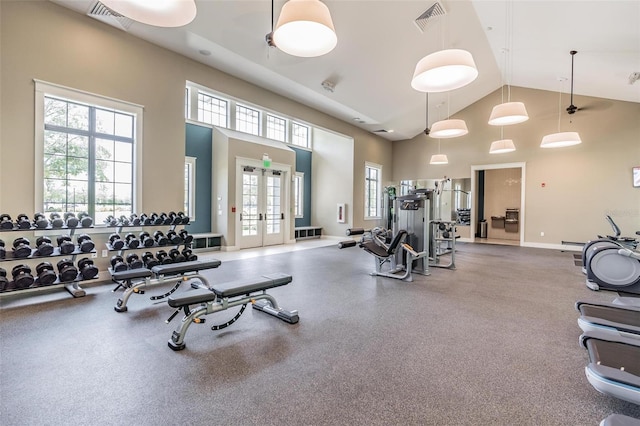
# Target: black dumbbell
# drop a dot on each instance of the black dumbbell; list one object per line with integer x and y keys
{"x": 124, "y": 221}
{"x": 134, "y": 220}
{"x": 87, "y": 269}
{"x": 40, "y": 221}
{"x": 111, "y": 221}
{"x": 44, "y": 246}
{"x": 65, "y": 244}
{"x": 3, "y": 251}
{"x": 149, "y": 260}
{"x": 163, "y": 257}
{"x": 5, "y": 221}
{"x": 145, "y": 220}
{"x": 71, "y": 220}
{"x": 21, "y": 248}
{"x": 157, "y": 220}
{"x": 159, "y": 238}
{"x": 22, "y": 221}
{"x": 116, "y": 242}
{"x": 174, "y": 238}
{"x": 85, "y": 244}
{"x": 175, "y": 220}
{"x": 188, "y": 255}
{"x": 186, "y": 238}
{"x": 22, "y": 276}
{"x": 86, "y": 221}
{"x": 184, "y": 219}
{"x": 166, "y": 220}
{"x": 46, "y": 274}
{"x": 56, "y": 220}
{"x": 117, "y": 263}
{"x": 176, "y": 256}
{"x": 66, "y": 271}
{"x": 4, "y": 282}
{"x": 134, "y": 262}
{"x": 132, "y": 241}
{"x": 145, "y": 239}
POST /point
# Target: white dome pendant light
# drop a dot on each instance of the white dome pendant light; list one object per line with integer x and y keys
{"x": 503, "y": 145}
{"x": 561, "y": 139}
{"x": 449, "y": 128}
{"x": 508, "y": 113}
{"x": 305, "y": 29}
{"x": 159, "y": 13}
{"x": 444, "y": 70}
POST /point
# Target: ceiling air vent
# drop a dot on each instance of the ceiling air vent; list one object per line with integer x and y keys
{"x": 429, "y": 15}
{"x": 102, "y": 13}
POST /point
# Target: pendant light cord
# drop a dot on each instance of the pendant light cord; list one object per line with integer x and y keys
{"x": 272, "y": 16}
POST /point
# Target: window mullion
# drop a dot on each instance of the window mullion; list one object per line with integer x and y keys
{"x": 91, "y": 172}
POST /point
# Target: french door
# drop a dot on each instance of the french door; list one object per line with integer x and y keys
{"x": 261, "y": 217}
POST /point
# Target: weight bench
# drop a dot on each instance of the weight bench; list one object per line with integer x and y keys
{"x": 137, "y": 280}
{"x": 224, "y": 296}
{"x": 614, "y": 364}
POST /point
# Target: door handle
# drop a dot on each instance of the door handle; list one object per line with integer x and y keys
{"x": 260, "y": 216}
{"x": 282, "y": 216}
{"x": 241, "y": 217}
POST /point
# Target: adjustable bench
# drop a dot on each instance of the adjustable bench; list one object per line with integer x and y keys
{"x": 137, "y": 280}
{"x": 224, "y": 296}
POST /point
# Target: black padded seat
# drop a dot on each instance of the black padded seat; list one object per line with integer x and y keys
{"x": 182, "y": 267}
{"x": 191, "y": 297}
{"x": 131, "y": 274}
{"x": 380, "y": 251}
{"x": 242, "y": 287}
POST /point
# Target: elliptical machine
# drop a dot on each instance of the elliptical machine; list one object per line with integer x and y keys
{"x": 612, "y": 263}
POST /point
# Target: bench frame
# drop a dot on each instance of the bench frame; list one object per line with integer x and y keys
{"x": 259, "y": 299}
{"x": 148, "y": 278}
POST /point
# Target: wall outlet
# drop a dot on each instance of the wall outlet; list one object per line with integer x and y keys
{"x": 542, "y": 234}
{"x": 104, "y": 253}
{"x": 94, "y": 255}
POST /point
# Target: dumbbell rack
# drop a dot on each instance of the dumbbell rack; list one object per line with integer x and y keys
{"x": 120, "y": 228}
{"x": 73, "y": 287}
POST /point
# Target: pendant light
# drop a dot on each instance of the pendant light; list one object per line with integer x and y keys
{"x": 508, "y": 113}
{"x": 449, "y": 128}
{"x": 502, "y": 146}
{"x": 560, "y": 139}
{"x": 159, "y": 13}
{"x": 437, "y": 158}
{"x": 444, "y": 70}
{"x": 305, "y": 29}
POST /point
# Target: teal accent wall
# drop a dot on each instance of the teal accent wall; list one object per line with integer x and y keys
{"x": 303, "y": 164}
{"x": 199, "y": 145}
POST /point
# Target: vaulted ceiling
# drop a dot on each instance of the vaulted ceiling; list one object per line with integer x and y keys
{"x": 523, "y": 43}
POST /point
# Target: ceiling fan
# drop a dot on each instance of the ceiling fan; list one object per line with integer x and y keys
{"x": 571, "y": 109}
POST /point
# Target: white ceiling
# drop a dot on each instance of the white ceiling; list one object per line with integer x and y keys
{"x": 379, "y": 46}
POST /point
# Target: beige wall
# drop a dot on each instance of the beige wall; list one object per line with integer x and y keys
{"x": 582, "y": 183}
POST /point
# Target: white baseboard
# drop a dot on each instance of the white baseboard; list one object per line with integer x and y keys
{"x": 552, "y": 246}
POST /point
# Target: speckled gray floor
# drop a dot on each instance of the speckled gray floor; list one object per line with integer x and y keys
{"x": 494, "y": 342}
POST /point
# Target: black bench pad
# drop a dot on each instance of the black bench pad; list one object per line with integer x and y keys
{"x": 230, "y": 289}
{"x": 131, "y": 273}
{"x": 374, "y": 249}
{"x": 241, "y": 287}
{"x": 179, "y": 268}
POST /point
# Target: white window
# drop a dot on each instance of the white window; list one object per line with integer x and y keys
{"x": 187, "y": 102}
{"x": 190, "y": 187}
{"x": 276, "y": 128}
{"x": 212, "y": 110}
{"x": 372, "y": 184}
{"x": 87, "y": 145}
{"x": 298, "y": 195}
{"x": 247, "y": 120}
{"x": 300, "y": 134}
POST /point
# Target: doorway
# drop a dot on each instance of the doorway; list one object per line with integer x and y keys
{"x": 261, "y": 220}
{"x": 498, "y": 209}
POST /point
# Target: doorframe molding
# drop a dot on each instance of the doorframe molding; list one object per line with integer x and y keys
{"x": 242, "y": 162}
{"x": 520, "y": 165}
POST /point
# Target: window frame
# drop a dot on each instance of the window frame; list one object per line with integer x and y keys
{"x": 268, "y": 115}
{"x": 367, "y": 196}
{"x": 258, "y": 124}
{"x": 43, "y": 89}
{"x": 298, "y": 195}
{"x": 190, "y": 192}
{"x": 228, "y": 107}
{"x": 292, "y": 133}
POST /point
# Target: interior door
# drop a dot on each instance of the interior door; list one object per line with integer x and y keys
{"x": 262, "y": 214}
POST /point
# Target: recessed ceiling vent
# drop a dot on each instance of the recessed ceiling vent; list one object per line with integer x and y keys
{"x": 102, "y": 13}
{"x": 429, "y": 15}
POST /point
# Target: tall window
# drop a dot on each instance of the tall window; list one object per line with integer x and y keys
{"x": 88, "y": 153}
{"x": 300, "y": 134}
{"x": 212, "y": 110}
{"x": 247, "y": 120}
{"x": 276, "y": 128}
{"x": 372, "y": 183}
{"x": 298, "y": 195}
{"x": 190, "y": 187}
